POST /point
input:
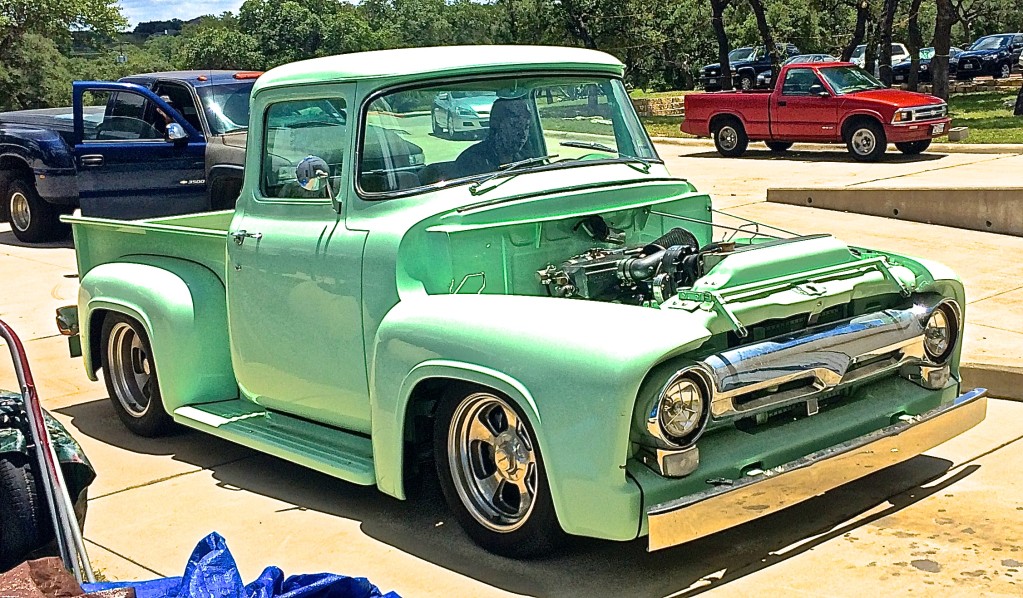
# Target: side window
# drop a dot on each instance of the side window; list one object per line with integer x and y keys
{"x": 798, "y": 82}
{"x": 296, "y": 129}
{"x": 181, "y": 100}
{"x": 128, "y": 117}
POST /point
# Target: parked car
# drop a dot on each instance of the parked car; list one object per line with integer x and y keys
{"x": 165, "y": 143}
{"x": 764, "y": 78}
{"x": 383, "y": 332}
{"x": 744, "y": 68}
{"x": 992, "y": 55}
{"x": 711, "y": 75}
{"x": 859, "y": 56}
{"x": 462, "y": 113}
{"x": 835, "y": 102}
{"x": 900, "y": 71}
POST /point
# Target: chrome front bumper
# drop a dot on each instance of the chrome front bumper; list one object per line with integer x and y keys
{"x": 691, "y": 517}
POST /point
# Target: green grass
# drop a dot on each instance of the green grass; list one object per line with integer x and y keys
{"x": 986, "y": 114}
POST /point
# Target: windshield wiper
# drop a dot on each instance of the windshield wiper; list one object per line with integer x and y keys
{"x": 600, "y": 147}
{"x": 505, "y": 169}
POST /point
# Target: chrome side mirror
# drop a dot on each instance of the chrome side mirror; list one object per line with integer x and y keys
{"x": 175, "y": 132}
{"x": 313, "y": 174}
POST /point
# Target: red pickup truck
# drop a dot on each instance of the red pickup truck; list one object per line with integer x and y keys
{"x": 822, "y": 103}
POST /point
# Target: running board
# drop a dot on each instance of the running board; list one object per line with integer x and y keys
{"x": 325, "y": 449}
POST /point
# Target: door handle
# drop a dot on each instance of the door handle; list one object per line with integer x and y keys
{"x": 240, "y": 235}
{"x": 782, "y": 103}
{"x": 91, "y": 160}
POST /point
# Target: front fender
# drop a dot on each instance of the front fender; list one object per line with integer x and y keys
{"x": 182, "y": 306}
{"x": 574, "y": 367}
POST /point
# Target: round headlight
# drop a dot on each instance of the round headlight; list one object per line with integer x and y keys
{"x": 941, "y": 332}
{"x": 680, "y": 411}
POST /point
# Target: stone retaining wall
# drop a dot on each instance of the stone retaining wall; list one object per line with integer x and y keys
{"x": 663, "y": 106}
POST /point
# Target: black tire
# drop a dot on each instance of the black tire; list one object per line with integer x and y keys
{"x": 450, "y": 128}
{"x": 434, "y": 125}
{"x": 24, "y": 519}
{"x": 130, "y": 375}
{"x": 730, "y": 138}
{"x": 746, "y": 83}
{"x": 866, "y": 140}
{"x": 32, "y": 219}
{"x": 467, "y": 467}
{"x": 778, "y": 146}
{"x": 911, "y": 148}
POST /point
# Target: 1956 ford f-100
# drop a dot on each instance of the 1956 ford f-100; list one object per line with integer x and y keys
{"x": 543, "y": 315}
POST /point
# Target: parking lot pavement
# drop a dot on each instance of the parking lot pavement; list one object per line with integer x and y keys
{"x": 943, "y": 524}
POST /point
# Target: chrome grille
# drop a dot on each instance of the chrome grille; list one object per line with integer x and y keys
{"x": 930, "y": 112}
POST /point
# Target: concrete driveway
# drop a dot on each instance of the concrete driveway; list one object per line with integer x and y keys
{"x": 943, "y": 524}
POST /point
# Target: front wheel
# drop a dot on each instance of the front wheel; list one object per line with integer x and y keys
{"x": 130, "y": 374}
{"x": 911, "y": 148}
{"x": 745, "y": 83}
{"x": 730, "y": 138}
{"x": 778, "y": 146}
{"x": 1004, "y": 71}
{"x": 866, "y": 141}
{"x": 492, "y": 474}
{"x": 32, "y": 219}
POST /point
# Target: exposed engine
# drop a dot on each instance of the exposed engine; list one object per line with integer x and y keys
{"x": 635, "y": 275}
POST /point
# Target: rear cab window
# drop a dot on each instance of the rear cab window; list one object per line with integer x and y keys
{"x": 295, "y": 129}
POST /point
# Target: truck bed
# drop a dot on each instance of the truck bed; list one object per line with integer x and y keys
{"x": 60, "y": 120}
{"x": 199, "y": 238}
{"x": 750, "y": 106}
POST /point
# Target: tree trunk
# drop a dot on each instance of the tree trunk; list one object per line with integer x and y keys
{"x": 885, "y": 55}
{"x": 765, "y": 35}
{"x": 862, "y": 14}
{"x": 870, "y": 52}
{"x": 717, "y": 13}
{"x": 946, "y": 17}
{"x": 915, "y": 42}
{"x": 1018, "y": 111}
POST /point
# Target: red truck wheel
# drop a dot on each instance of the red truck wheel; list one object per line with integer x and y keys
{"x": 866, "y": 140}
{"x": 730, "y": 138}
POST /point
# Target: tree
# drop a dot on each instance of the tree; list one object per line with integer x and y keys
{"x": 860, "y": 31}
{"x": 219, "y": 48}
{"x": 914, "y": 43}
{"x": 942, "y": 43}
{"x": 765, "y": 34}
{"x": 33, "y": 74}
{"x": 885, "y": 57}
{"x": 717, "y": 10}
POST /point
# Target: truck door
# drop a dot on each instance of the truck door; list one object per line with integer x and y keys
{"x": 127, "y": 167}
{"x": 799, "y": 111}
{"x": 294, "y": 271}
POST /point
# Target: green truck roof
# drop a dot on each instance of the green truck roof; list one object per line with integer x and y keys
{"x": 423, "y": 63}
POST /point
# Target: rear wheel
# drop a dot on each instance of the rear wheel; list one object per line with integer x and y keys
{"x": 730, "y": 138}
{"x": 492, "y": 474}
{"x": 866, "y": 140}
{"x": 32, "y": 219}
{"x": 913, "y": 147}
{"x": 24, "y": 521}
{"x": 778, "y": 146}
{"x": 130, "y": 374}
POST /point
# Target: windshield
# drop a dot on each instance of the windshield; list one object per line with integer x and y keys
{"x": 466, "y": 131}
{"x": 858, "y": 52}
{"x": 850, "y": 79}
{"x": 740, "y": 54}
{"x": 990, "y": 43}
{"x": 226, "y": 106}
{"x": 927, "y": 54}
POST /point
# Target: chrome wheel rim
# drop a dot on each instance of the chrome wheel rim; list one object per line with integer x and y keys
{"x": 1006, "y": 71}
{"x": 21, "y": 213}
{"x": 745, "y": 84}
{"x": 131, "y": 370}
{"x": 728, "y": 138}
{"x": 492, "y": 459}
{"x": 863, "y": 141}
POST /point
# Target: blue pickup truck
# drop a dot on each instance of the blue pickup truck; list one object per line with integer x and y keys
{"x": 157, "y": 144}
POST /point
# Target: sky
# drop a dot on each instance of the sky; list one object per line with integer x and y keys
{"x": 137, "y": 11}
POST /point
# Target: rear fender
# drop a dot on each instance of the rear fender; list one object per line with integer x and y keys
{"x": 183, "y": 308}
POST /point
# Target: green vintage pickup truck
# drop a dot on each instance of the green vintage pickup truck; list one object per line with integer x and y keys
{"x": 531, "y": 307}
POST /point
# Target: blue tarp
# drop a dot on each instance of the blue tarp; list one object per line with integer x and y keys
{"x": 212, "y": 573}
